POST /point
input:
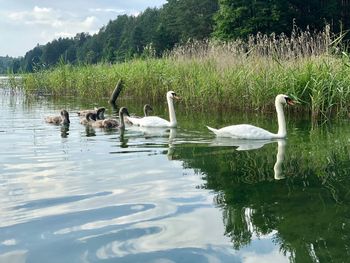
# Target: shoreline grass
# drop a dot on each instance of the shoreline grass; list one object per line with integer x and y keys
{"x": 237, "y": 75}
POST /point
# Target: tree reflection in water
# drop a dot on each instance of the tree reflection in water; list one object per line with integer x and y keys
{"x": 307, "y": 212}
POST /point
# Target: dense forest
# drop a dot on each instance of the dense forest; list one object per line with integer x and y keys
{"x": 5, "y": 64}
{"x": 157, "y": 30}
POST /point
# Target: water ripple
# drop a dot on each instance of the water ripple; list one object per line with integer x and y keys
{"x": 80, "y": 194}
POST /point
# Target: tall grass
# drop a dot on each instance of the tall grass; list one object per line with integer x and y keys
{"x": 246, "y": 75}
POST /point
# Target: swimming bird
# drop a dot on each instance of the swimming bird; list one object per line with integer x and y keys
{"x": 62, "y": 119}
{"x": 155, "y": 121}
{"x": 89, "y": 118}
{"x": 112, "y": 123}
{"x": 98, "y": 111}
{"x": 247, "y": 131}
{"x": 146, "y": 110}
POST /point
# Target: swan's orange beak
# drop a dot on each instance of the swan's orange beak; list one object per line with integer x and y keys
{"x": 290, "y": 101}
{"x": 177, "y": 97}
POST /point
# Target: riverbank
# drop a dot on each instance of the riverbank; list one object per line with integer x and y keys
{"x": 237, "y": 75}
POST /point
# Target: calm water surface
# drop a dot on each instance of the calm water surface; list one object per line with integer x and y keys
{"x": 77, "y": 194}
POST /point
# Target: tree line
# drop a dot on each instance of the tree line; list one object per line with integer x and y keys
{"x": 5, "y": 64}
{"x": 157, "y": 30}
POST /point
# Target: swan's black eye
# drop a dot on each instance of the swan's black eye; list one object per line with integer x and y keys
{"x": 174, "y": 94}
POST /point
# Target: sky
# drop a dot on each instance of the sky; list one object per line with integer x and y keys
{"x": 26, "y": 23}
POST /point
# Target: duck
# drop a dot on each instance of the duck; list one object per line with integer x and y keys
{"x": 247, "y": 131}
{"x": 155, "y": 121}
{"x": 112, "y": 123}
{"x": 62, "y": 119}
{"x": 98, "y": 111}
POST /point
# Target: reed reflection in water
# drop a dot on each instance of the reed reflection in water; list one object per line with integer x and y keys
{"x": 305, "y": 212}
{"x": 82, "y": 194}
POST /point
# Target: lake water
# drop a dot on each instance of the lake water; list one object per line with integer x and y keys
{"x": 77, "y": 194}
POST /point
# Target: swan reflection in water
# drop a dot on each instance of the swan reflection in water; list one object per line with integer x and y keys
{"x": 161, "y": 133}
{"x": 150, "y": 132}
{"x": 246, "y": 145}
{"x": 281, "y": 147}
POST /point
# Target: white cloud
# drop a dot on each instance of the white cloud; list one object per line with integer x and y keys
{"x": 62, "y": 34}
{"x": 39, "y": 16}
{"x": 42, "y": 13}
{"x": 55, "y": 23}
{"x": 54, "y": 18}
{"x": 108, "y": 10}
{"x": 16, "y": 15}
{"x": 24, "y": 24}
{"x": 89, "y": 22}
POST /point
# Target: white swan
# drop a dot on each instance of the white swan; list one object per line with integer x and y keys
{"x": 154, "y": 121}
{"x": 247, "y": 131}
{"x": 146, "y": 110}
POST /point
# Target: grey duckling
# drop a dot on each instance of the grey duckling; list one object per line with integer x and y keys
{"x": 98, "y": 111}
{"x": 89, "y": 118}
{"x": 146, "y": 110}
{"x": 62, "y": 119}
{"x": 112, "y": 123}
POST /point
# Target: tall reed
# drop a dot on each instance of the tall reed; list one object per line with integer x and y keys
{"x": 245, "y": 75}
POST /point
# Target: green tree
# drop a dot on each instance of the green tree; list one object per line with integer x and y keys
{"x": 239, "y": 18}
{"x": 127, "y": 36}
{"x": 112, "y": 37}
{"x": 315, "y": 13}
{"x": 182, "y": 20}
{"x": 32, "y": 60}
{"x": 6, "y": 64}
{"x": 15, "y": 66}
{"x": 92, "y": 51}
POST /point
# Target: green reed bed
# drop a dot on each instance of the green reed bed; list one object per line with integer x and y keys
{"x": 240, "y": 75}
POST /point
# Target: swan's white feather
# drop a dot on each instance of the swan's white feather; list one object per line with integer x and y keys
{"x": 247, "y": 131}
{"x": 150, "y": 121}
{"x": 243, "y": 131}
{"x": 134, "y": 120}
{"x": 154, "y": 121}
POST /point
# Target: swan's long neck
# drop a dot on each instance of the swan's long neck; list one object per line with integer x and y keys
{"x": 172, "y": 115}
{"x": 282, "y": 131}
